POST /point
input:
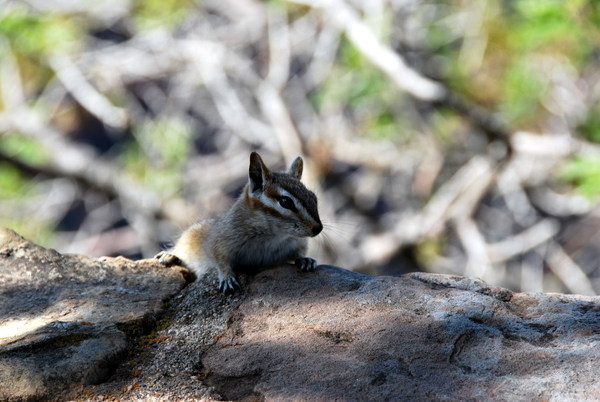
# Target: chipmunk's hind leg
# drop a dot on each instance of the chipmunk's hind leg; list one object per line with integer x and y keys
{"x": 188, "y": 249}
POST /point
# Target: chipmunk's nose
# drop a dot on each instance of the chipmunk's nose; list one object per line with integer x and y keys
{"x": 317, "y": 229}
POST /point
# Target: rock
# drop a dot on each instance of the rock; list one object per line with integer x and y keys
{"x": 328, "y": 335}
{"x": 59, "y": 315}
{"x": 337, "y": 335}
{"x": 334, "y": 335}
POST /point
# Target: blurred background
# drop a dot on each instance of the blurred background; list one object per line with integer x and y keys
{"x": 456, "y": 137}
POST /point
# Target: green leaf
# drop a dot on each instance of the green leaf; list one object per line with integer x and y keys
{"x": 35, "y": 34}
{"x": 12, "y": 182}
{"x": 24, "y": 148}
{"x": 153, "y": 14}
{"x": 584, "y": 174}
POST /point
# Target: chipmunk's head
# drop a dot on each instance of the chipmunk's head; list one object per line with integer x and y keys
{"x": 287, "y": 203}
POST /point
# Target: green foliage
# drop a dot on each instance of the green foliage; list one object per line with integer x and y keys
{"x": 16, "y": 190}
{"x": 365, "y": 86}
{"x": 549, "y": 25}
{"x": 12, "y": 182}
{"x": 24, "y": 148}
{"x": 356, "y": 85}
{"x": 590, "y": 128}
{"x": 33, "y": 229}
{"x": 517, "y": 37}
{"x": 584, "y": 173}
{"x": 383, "y": 125}
{"x": 152, "y": 14}
{"x": 157, "y": 158}
{"x": 524, "y": 47}
{"x": 522, "y": 93}
{"x": 34, "y": 34}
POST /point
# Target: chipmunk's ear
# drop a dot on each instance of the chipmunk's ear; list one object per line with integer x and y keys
{"x": 259, "y": 176}
{"x": 296, "y": 168}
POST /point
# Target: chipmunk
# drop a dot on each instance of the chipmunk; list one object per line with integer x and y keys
{"x": 269, "y": 223}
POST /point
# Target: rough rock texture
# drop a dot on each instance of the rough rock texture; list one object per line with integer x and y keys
{"x": 59, "y": 315}
{"x": 334, "y": 335}
{"x": 338, "y": 336}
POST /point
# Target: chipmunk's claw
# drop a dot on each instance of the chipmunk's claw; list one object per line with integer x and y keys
{"x": 229, "y": 286}
{"x": 306, "y": 264}
{"x": 167, "y": 258}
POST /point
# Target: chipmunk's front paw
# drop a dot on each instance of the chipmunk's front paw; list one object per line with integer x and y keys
{"x": 306, "y": 264}
{"x": 229, "y": 286}
{"x": 167, "y": 259}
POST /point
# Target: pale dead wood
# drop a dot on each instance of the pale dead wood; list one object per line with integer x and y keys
{"x": 404, "y": 77}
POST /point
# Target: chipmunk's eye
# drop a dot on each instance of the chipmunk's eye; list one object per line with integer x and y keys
{"x": 287, "y": 203}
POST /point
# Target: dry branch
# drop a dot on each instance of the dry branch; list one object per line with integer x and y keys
{"x": 568, "y": 271}
{"x": 85, "y": 93}
{"x": 382, "y": 56}
{"x": 540, "y": 233}
{"x": 249, "y": 82}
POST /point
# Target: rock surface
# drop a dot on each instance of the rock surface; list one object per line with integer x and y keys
{"x": 346, "y": 337}
{"x": 59, "y": 315}
{"x": 334, "y": 335}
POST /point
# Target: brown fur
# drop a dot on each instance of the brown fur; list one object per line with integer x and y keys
{"x": 253, "y": 233}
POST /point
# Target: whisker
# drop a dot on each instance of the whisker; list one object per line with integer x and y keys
{"x": 336, "y": 225}
{"x": 340, "y": 222}
{"x": 328, "y": 246}
{"x": 329, "y": 229}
